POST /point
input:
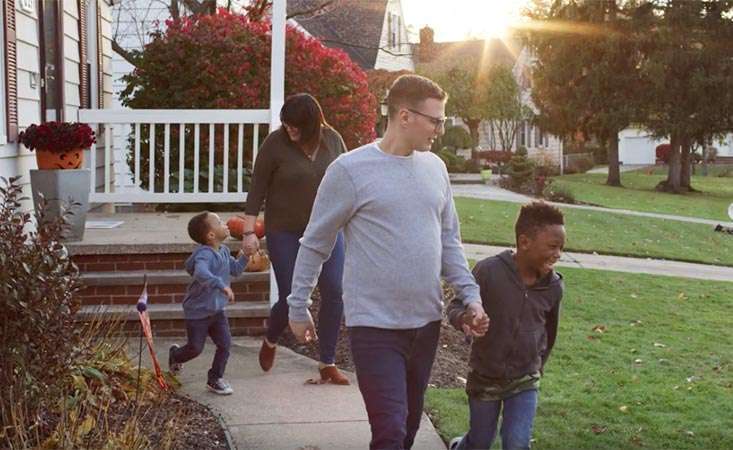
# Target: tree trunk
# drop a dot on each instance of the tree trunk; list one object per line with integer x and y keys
{"x": 473, "y": 125}
{"x": 685, "y": 165}
{"x": 673, "y": 181}
{"x": 614, "y": 172}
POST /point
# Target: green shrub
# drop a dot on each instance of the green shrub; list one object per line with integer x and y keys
{"x": 456, "y": 137}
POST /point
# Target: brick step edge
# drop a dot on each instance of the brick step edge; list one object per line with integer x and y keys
{"x": 136, "y": 277}
{"x": 250, "y": 310}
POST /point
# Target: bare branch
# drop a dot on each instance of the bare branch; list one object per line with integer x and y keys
{"x": 309, "y": 11}
{"x": 126, "y": 55}
{"x": 347, "y": 44}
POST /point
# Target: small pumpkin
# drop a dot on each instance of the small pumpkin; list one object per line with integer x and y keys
{"x": 48, "y": 160}
{"x": 236, "y": 227}
{"x": 258, "y": 262}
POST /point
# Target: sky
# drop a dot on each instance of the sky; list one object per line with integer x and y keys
{"x": 455, "y": 20}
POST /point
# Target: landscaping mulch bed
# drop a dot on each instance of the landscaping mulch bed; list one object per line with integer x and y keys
{"x": 451, "y": 361}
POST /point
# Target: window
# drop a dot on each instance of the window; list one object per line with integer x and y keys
{"x": 52, "y": 83}
{"x": 3, "y": 122}
{"x": 399, "y": 31}
{"x": 522, "y": 135}
{"x": 393, "y": 30}
{"x": 537, "y": 137}
{"x": 389, "y": 30}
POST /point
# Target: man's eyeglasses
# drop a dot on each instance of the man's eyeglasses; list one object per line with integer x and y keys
{"x": 437, "y": 121}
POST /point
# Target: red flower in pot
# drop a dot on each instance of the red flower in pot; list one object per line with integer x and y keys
{"x": 58, "y": 145}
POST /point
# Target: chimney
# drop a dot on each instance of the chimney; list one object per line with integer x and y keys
{"x": 425, "y": 48}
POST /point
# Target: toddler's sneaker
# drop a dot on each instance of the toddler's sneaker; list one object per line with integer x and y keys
{"x": 220, "y": 387}
{"x": 173, "y": 367}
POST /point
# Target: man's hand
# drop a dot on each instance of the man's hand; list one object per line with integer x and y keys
{"x": 475, "y": 320}
{"x": 304, "y": 331}
{"x": 250, "y": 244}
{"x": 230, "y": 294}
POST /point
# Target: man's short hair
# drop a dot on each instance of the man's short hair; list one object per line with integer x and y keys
{"x": 199, "y": 226}
{"x": 410, "y": 90}
{"x": 535, "y": 216}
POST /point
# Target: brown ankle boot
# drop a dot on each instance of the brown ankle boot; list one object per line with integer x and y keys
{"x": 267, "y": 356}
{"x": 334, "y": 375}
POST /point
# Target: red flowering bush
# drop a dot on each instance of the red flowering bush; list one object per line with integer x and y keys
{"x": 663, "y": 152}
{"x": 57, "y": 137}
{"x": 222, "y": 61}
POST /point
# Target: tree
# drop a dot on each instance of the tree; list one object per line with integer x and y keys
{"x": 505, "y": 110}
{"x": 586, "y": 76}
{"x": 688, "y": 69}
{"x": 466, "y": 93}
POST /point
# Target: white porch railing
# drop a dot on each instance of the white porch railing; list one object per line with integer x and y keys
{"x": 191, "y": 145}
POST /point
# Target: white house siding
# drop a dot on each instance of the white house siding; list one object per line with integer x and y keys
{"x": 636, "y": 146}
{"x": 392, "y": 61}
{"x": 15, "y": 159}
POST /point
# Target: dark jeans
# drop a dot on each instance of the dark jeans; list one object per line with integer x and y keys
{"x": 393, "y": 368}
{"x": 517, "y": 418}
{"x": 283, "y": 249}
{"x": 217, "y": 327}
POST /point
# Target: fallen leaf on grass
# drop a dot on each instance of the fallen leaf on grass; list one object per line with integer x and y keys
{"x": 623, "y": 408}
{"x": 658, "y": 345}
{"x": 638, "y": 361}
{"x": 598, "y": 429}
{"x": 600, "y": 329}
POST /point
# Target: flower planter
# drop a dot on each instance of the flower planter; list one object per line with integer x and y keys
{"x": 60, "y": 188}
{"x": 49, "y": 160}
{"x": 486, "y": 175}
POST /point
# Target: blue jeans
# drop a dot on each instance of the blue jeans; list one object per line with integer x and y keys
{"x": 393, "y": 369}
{"x": 283, "y": 249}
{"x": 517, "y": 418}
{"x": 217, "y": 327}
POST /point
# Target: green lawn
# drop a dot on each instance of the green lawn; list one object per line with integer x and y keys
{"x": 638, "y": 193}
{"x": 659, "y": 375}
{"x": 491, "y": 222}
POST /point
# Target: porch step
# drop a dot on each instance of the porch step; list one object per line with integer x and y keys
{"x": 136, "y": 277}
{"x": 245, "y": 319}
{"x": 256, "y": 310}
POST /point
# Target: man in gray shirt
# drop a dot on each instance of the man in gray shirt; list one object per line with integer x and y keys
{"x": 395, "y": 207}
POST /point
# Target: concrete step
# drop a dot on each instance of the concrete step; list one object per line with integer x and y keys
{"x": 245, "y": 318}
{"x": 154, "y": 277}
{"x": 170, "y": 311}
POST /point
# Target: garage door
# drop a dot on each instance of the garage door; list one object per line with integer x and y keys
{"x": 636, "y": 150}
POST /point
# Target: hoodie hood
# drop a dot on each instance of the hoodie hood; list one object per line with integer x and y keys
{"x": 546, "y": 282}
{"x": 197, "y": 251}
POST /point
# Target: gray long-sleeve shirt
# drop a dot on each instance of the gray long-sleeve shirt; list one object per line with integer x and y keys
{"x": 401, "y": 234}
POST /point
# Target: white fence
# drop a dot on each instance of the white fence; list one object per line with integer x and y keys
{"x": 195, "y": 154}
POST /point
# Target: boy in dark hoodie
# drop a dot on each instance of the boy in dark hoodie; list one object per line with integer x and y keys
{"x": 521, "y": 294}
{"x": 211, "y": 265}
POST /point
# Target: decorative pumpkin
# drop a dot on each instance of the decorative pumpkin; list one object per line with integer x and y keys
{"x": 259, "y": 228}
{"x": 48, "y": 160}
{"x": 259, "y": 262}
{"x": 236, "y": 227}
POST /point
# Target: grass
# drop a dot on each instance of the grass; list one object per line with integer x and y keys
{"x": 638, "y": 193}
{"x": 660, "y": 375}
{"x": 491, "y": 222}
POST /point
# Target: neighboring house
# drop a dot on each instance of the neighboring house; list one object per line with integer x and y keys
{"x": 55, "y": 60}
{"x": 484, "y": 54}
{"x": 373, "y": 33}
{"x": 636, "y": 146}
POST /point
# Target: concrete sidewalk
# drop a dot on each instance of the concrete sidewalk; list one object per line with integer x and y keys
{"x": 621, "y": 264}
{"x": 276, "y": 410}
{"x": 491, "y": 192}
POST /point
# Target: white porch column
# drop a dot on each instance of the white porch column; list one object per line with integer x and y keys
{"x": 277, "y": 89}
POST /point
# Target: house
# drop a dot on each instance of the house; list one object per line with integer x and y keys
{"x": 636, "y": 146}
{"x": 373, "y": 33}
{"x": 56, "y": 59}
{"x": 484, "y": 54}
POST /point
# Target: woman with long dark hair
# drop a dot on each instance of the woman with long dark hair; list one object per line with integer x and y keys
{"x": 287, "y": 172}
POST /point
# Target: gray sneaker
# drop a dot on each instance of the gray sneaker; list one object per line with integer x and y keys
{"x": 220, "y": 387}
{"x": 454, "y": 443}
{"x": 173, "y": 367}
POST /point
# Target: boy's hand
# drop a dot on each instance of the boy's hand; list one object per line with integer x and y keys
{"x": 230, "y": 294}
{"x": 475, "y": 320}
{"x": 250, "y": 244}
{"x": 304, "y": 331}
